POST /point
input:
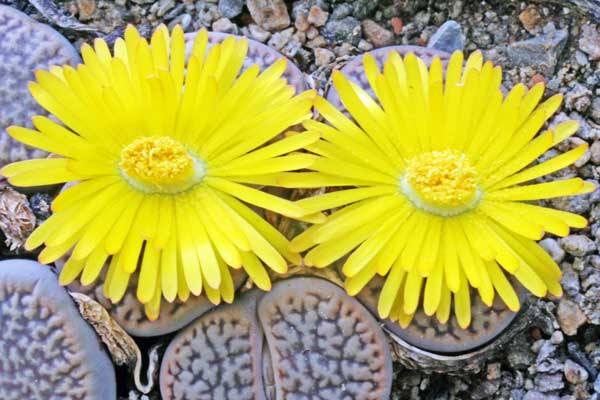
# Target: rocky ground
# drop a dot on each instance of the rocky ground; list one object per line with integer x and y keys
{"x": 532, "y": 41}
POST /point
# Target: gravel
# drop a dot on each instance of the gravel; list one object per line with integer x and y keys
{"x": 347, "y": 29}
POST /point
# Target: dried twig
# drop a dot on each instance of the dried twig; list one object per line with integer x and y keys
{"x": 122, "y": 348}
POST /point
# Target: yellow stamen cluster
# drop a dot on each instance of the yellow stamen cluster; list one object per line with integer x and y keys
{"x": 158, "y": 160}
{"x": 442, "y": 178}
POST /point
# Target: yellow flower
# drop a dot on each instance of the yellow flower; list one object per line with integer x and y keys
{"x": 441, "y": 191}
{"x": 162, "y": 152}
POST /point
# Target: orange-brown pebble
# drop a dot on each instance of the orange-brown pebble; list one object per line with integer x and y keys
{"x": 537, "y": 78}
{"x": 397, "y": 25}
{"x": 530, "y": 18}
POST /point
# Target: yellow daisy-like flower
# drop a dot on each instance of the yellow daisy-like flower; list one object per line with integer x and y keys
{"x": 440, "y": 203}
{"x": 162, "y": 151}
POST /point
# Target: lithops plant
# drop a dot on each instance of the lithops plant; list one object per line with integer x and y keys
{"x": 437, "y": 161}
{"x": 128, "y": 312}
{"x": 26, "y": 46}
{"x": 158, "y": 181}
{"x": 48, "y": 351}
{"x": 488, "y": 324}
{"x": 318, "y": 343}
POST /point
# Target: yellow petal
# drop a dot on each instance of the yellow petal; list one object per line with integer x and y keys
{"x": 148, "y": 275}
{"x": 256, "y": 197}
{"x": 93, "y": 265}
{"x": 503, "y": 286}
{"x": 256, "y": 271}
{"x": 70, "y": 270}
{"x": 412, "y": 292}
{"x": 433, "y": 288}
{"x": 356, "y": 283}
{"x": 390, "y": 290}
{"x": 462, "y": 304}
{"x": 548, "y": 190}
{"x": 168, "y": 268}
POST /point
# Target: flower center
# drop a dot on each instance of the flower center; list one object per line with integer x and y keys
{"x": 160, "y": 164}
{"x": 441, "y": 182}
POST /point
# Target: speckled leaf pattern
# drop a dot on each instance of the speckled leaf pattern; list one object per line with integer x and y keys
{"x": 26, "y": 46}
{"x": 48, "y": 351}
{"x": 318, "y": 344}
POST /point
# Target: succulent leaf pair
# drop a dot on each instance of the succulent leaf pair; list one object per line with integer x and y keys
{"x": 167, "y": 152}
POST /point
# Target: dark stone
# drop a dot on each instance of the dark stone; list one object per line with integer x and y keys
{"x": 347, "y": 29}
{"x": 541, "y": 52}
{"x": 364, "y": 8}
{"x": 231, "y": 8}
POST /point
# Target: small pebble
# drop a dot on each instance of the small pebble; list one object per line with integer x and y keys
{"x": 257, "y": 33}
{"x": 575, "y": 373}
{"x": 557, "y": 337}
{"x": 449, "y": 37}
{"x": 271, "y": 15}
{"x": 231, "y": 8}
{"x": 340, "y": 31}
{"x": 86, "y": 9}
{"x": 569, "y": 316}
{"x": 493, "y": 371}
{"x": 301, "y": 22}
{"x": 280, "y": 39}
{"x": 317, "y": 17}
{"x": 553, "y": 248}
{"x": 323, "y": 56}
{"x": 537, "y": 78}
{"x": 595, "y": 110}
{"x": 589, "y": 41}
{"x": 363, "y": 45}
{"x": 377, "y": 34}
{"x": 224, "y": 25}
{"x": 318, "y": 41}
{"x": 577, "y": 245}
{"x": 312, "y": 33}
{"x": 397, "y": 25}
{"x": 530, "y": 18}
